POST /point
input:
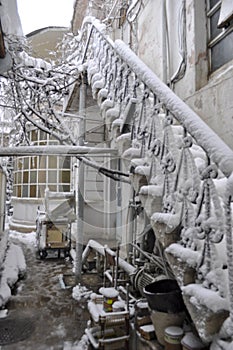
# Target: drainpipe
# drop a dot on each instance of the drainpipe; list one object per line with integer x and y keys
{"x": 131, "y": 218}
{"x": 164, "y": 41}
{"x": 80, "y": 211}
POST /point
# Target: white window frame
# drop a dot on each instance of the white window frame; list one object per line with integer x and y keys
{"x": 225, "y": 28}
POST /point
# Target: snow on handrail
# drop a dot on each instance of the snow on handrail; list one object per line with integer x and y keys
{"x": 217, "y": 150}
{"x": 205, "y": 137}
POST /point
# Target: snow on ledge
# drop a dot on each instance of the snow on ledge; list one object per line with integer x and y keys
{"x": 187, "y": 255}
{"x": 132, "y": 153}
{"x": 169, "y": 219}
{"x": 126, "y": 136}
{"x": 152, "y": 190}
{"x": 142, "y": 170}
{"x": 203, "y": 296}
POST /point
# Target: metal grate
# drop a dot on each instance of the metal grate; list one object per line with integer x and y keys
{"x": 14, "y": 330}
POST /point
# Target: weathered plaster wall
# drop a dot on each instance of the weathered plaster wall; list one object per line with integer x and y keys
{"x": 214, "y": 103}
{"x": 209, "y": 96}
{"x": 150, "y": 36}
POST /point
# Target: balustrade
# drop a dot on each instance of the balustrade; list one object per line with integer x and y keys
{"x": 180, "y": 169}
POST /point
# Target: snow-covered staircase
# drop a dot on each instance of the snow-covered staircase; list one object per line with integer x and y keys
{"x": 180, "y": 169}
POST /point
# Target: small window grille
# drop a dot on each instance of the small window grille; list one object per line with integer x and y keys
{"x": 220, "y": 34}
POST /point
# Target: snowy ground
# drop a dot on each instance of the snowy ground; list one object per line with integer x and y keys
{"x": 59, "y": 319}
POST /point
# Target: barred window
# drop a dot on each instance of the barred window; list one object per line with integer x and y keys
{"x": 220, "y": 32}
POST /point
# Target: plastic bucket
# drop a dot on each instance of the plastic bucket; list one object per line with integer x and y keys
{"x": 172, "y": 338}
{"x": 164, "y": 296}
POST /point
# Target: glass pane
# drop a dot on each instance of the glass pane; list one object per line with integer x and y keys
{"x": 19, "y": 193}
{"x": 18, "y": 177}
{"x": 25, "y": 177}
{"x": 25, "y": 190}
{"x": 33, "y": 177}
{"x": 214, "y": 31}
{"x": 53, "y": 142}
{"x": 34, "y": 161}
{"x": 52, "y": 176}
{"x": 64, "y": 177}
{"x": 52, "y": 162}
{"x": 222, "y": 52}
{"x": 64, "y": 163}
{"x": 53, "y": 188}
{"x": 33, "y": 191}
{"x": 226, "y": 12}
{"x": 213, "y": 3}
{"x": 43, "y": 135}
{"x": 19, "y": 163}
{"x": 43, "y": 162}
{"x": 42, "y": 176}
{"x": 34, "y": 135}
{"x": 64, "y": 188}
{"x": 26, "y": 163}
{"x": 41, "y": 191}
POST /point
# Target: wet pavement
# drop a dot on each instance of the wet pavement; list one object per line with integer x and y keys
{"x": 57, "y": 320}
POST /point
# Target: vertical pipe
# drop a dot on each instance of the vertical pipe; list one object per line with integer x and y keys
{"x": 80, "y": 211}
{"x": 116, "y": 267}
{"x": 130, "y": 227}
{"x": 164, "y": 41}
{"x": 229, "y": 247}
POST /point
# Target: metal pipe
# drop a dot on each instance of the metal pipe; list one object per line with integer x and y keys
{"x": 116, "y": 267}
{"x": 80, "y": 211}
{"x": 128, "y": 268}
{"x": 164, "y": 41}
{"x": 124, "y": 265}
{"x": 53, "y": 150}
{"x": 148, "y": 256}
{"x": 131, "y": 218}
{"x": 107, "y": 274}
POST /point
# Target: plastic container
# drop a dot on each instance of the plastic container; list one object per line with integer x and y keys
{"x": 172, "y": 338}
{"x": 192, "y": 342}
{"x": 164, "y": 296}
{"x": 110, "y": 295}
{"x": 118, "y": 306}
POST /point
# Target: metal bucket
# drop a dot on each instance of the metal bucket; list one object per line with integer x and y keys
{"x": 164, "y": 296}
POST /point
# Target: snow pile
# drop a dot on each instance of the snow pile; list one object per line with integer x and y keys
{"x": 168, "y": 219}
{"x": 109, "y": 293}
{"x": 132, "y": 153}
{"x": 203, "y": 296}
{"x": 27, "y": 238}
{"x": 81, "y": 292}
{"x": 79, "y": 345}
{"x": 191, "y": 257}
{"x": 30, "y": 61}
{"x": 14, "y": 266}
{"x": 3, "y": 246}
{"x": 126, "y": 136}
{"x": 143, "y": 170}
{"x": 153, "y": 190}
{"x": 190, "y": 340}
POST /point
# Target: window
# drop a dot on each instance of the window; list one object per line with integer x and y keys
{"x": 220, "y": 32}
{"x": 33, "y": 174}
{"x": 226, "y": 13}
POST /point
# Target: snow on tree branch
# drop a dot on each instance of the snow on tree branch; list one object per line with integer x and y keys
{"x": 33, "y": 92}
